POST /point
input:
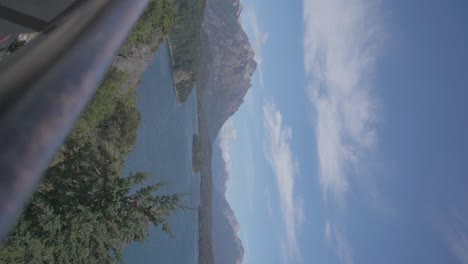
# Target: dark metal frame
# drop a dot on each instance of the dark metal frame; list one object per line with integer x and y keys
{"x": 45, "y": 86}
{"x": 22, "y": 19}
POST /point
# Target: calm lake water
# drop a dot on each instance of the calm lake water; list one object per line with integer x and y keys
{"x": 164, "y": 148}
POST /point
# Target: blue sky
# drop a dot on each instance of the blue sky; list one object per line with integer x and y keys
{"x": 351, "y": 146}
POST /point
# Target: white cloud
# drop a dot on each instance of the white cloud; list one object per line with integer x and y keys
{"x": 343, "y": 248}
{"x": 455, "y": 231}
{"x": 335, "y": 236}
{"x": 342, "y": 39}
{"x": 259, "y": 40}
{"x": 284, "y": 166}
{"x": 247, "y": 254}
{"x": 227, "y": 135}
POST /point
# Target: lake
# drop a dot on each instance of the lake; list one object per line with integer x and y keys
{"x": 164, "y": 148}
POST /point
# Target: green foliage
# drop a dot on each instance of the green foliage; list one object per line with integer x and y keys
{"x": 103, "y": 103}
{"x": 84, "y": 211}
{"x": 157, "y": 19}
{"x": 185, "y": 43}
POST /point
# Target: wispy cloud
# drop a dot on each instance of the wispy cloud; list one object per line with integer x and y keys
{"x": 227, "y": 136}
{"x": 341, "y": 43}
{"x": 455, "y": 231}
{"x": 259, "y": 40}
{"x": 342, "y": 40}
{"x": 285, "y": 168}
{"x": 247, "y": 254}
{"x": 334, "y": 235}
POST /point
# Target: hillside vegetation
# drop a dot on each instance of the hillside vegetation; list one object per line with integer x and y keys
{"x": 159, "y": 17}
{"x": 185, "y": 43}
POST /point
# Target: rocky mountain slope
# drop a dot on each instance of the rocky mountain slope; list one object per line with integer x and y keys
{"x": 226, "y": 66}
{"x": 231, "y": 62}
{"x": 227, "y": 246}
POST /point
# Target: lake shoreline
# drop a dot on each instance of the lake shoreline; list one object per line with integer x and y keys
{"x": 205, "y": 208}
{"x": 174, "y": 86}
{"x": 166, "y": 126}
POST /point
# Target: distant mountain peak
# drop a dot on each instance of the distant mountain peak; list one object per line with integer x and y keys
{"x": 232, "y": 62}
{"x": 227, "y": 245}
{"x": 227, "y": 61}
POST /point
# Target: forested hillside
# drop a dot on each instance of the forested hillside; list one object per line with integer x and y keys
{"x": 185, "y": 44}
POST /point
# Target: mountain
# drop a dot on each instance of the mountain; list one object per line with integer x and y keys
{"x": 227, "y": 53}
{"x": 227, "y": 246}
{"x": 226, "y": 65}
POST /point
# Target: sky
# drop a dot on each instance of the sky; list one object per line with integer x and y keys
{"x": 351, "y": 144}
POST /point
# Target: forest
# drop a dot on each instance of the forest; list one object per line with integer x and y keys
{"x": 185, "y": 43}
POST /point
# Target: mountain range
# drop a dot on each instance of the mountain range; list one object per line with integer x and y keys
{"x": 230, "y": 61}
{"x": 224, "y": 78}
